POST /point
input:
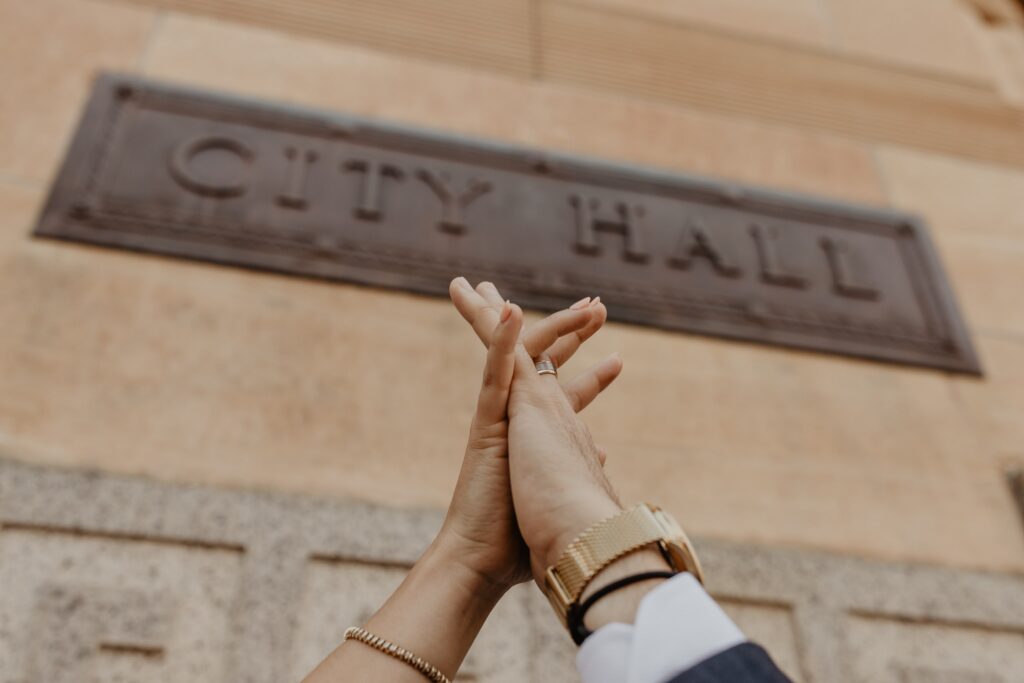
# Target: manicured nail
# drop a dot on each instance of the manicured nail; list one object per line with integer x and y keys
{"x": 596, "y": 301}
{"x": 462, "y": 282}
{"x": 506, "y": 310}
{"x": 582, "y": 303}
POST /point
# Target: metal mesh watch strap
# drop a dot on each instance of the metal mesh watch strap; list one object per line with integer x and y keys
{"x": 602, "y": 544}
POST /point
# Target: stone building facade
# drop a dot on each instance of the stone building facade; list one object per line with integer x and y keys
{"x": 188, "y": 450}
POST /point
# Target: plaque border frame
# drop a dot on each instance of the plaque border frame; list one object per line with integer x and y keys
{"x": 74, "y": 207}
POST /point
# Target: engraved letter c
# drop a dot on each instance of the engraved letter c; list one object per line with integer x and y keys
{"x": 187, "y": 150}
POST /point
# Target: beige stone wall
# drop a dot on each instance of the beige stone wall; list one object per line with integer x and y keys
{"x": 195, "y": 373}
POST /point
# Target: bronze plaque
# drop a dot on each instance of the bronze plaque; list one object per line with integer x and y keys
{"x": 191, "y": 174}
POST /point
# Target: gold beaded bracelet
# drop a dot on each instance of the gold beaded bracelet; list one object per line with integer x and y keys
{"x": 399, "y": 653}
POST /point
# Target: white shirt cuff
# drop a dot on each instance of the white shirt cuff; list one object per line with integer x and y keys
{"x": 678, "y": 625}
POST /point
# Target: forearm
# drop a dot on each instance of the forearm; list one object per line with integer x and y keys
{"x": 435, "y": 613}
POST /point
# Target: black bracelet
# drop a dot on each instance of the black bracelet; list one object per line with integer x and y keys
{"x": 574, "y": 617}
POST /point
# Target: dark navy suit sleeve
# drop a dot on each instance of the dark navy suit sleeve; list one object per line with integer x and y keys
{"x": 746, "y": 663}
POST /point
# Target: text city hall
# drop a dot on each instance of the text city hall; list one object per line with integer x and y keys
{"x": 381, "y": 179}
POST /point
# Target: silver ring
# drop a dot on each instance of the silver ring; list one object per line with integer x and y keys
{"x": 546, "y": 367}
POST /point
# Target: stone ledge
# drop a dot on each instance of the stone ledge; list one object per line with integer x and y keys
{"x": 212, "y": 584}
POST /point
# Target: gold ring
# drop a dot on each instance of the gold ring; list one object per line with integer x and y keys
{"x": 546, "y": 367}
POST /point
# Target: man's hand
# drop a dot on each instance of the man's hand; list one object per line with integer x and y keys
{"x": 558, "y": 483}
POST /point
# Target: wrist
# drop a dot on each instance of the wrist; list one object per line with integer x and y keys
{"x": 577, "y": 519}
{"x": 449, "y": 559}
{"x": 621, "y": 606}
{"x": 436, "y": 612}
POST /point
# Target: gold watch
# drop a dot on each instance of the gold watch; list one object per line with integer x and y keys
{"x": 608, "y": 540}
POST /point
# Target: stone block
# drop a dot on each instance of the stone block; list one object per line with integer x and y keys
{"x": 73, "y": 605}
{"x": 483, "y": 34}
{"x": 959, "y": 198}
{"x": 187, "y": 372}
{"x": 752, "y": 443}
{"x": 240, "y": 59}
{"x": 793, "y": 21}
{"x": 988, "y": 276}
{"x": 977, "y": 216}
{"x": 996, "y": 405}
{"x": 177, "y": 358}
{"x": 165, "y": 581}
{"x": 860, "y": 97}
{"x": 546, "y": 116}
{"x": 20, "y": 203}
{"x": 1005, "y": 47}
{"x": 889, "y": 651}
{"x": 49, "y": 51}
{"x": 933, "y": 35}
{"x": 701, "y": 142}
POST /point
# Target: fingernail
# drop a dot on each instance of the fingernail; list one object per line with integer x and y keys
{"x": 462, "y": 282}
{"x": 582, "y": 303}
{"x": 506, "y": 310}
{"x": 596, "y": 301}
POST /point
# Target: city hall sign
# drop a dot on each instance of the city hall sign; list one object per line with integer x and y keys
{"x": 201, "y": 176}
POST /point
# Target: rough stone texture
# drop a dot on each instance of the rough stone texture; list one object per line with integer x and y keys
{"x": 116, "y": 576}
{"x": 74, "y": 603}
{"x": 888, "y": 650}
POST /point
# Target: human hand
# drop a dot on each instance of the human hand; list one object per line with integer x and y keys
{"x": 558, "y": 483}
{"x": 556, "y": 338}
{"x": 480, "y": 530}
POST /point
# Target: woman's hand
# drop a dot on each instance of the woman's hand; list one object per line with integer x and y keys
{"x": 481, "y": 532}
